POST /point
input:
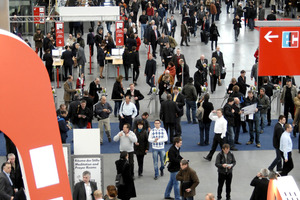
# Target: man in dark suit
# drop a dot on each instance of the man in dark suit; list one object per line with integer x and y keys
{"x": 168, "y": 112}
{"x": 219, "y": 56}
{"x": 278, "y": 130}
{"x": 68, "y": 61}
{"x": 154, "y": 35}
{"x": 269, "y": 92}
{"x": 175, "y": 59}
{"x": 91, "y": 41}
{"x": 136, "y": 96}
{"x": 94, "y": 89}
{"x": 80, "y": 56}
{"x": 150, "y": 71}
{"x": 260, "y": 184}
{"x": 174, "y": 25}
{"x": 84, "y": 188}
{"x": 202, "y": 64}
{"x": 184, "y": 33}
{"x": 179, "y": 99}
{"x": 6, "y": 184}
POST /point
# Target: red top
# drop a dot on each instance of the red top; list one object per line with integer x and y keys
{"x": 150, "y": 11}
{"x": 78, "y": 84}
{"x": 138, "y": 43}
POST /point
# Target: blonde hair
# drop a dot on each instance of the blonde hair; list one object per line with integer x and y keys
{"x": 98, "y": 194}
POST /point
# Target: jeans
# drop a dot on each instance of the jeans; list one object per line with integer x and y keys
{"x": 260, "y": 117}
{"x": 191, "y": 105}
{"x": 236, "y": 33}
{"x": 251, "y": 23}
{"x": 150, "y": 82}
{"x": 204, "y": 127}
{"x": 195, "y": 30}
{"x": 230, "y": 135}
{"x": 173, "y": 183}
{"x": 213, "y": 18}
{"x": 108, "y": 24}
{"x": 117, "y": 107}
{"x": 277, "y": 161}
{"x": 155, "y": 154}
{"x": 180, "y": 6}
{"x": 252, "y": 127}
{"x": 143, "y": 27}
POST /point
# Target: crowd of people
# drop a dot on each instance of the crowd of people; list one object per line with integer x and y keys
{"x": 158, "y": 27}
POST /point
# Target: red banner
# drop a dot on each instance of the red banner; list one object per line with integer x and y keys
{"x": 39, "y": 14}
{"x": 279, "y": 51}
{"x": 119, "y": 33}
{"x": 59, "y": 32}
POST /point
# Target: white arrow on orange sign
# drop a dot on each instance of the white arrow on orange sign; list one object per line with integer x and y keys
{"x": 268, "y": 36}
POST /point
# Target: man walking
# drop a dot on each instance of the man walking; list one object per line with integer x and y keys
{"x": 173, "y": 168}
{"x": 220, "y": 131}
{"x": 225, "y": 161}
{"x": 229, "y": 116}
{"x": 287, "y": 98}
{"x": 150, "y": 71}
{"x": 127, "y": 112}
{"x": 278, "y": 130}
{"x": 179, "y": 99}
{"x": 189, "y": 91}
{"x": 158, "y": 136}
{"x": 286, "y": 147}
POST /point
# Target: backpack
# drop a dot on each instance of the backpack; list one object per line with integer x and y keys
{"x": 200, "y": 112}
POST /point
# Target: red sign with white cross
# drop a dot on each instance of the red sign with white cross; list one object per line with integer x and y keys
{"x": 279, "y": 51}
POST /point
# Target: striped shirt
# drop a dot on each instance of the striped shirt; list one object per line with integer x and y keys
{"x": 162, "y": 136}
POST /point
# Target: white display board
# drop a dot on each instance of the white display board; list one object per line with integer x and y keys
{"x": 86, "y": 141}
{"x": 67, "y": 156}
{"x": 91, "y": 163}
{"x": 287, "y": 188}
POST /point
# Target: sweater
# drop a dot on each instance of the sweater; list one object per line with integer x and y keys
{"x": 126, "y": 142}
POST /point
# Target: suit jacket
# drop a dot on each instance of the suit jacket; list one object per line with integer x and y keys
{"x": 68, "y": 92}
{"x": 243, "y": 85}
{"x": 174, "y": 25}
{"x": 6, "y": 190}
{"x": 184, "y": 30}
{"x": 138, "y": 94}
{"x": 93, "y": 91}
{"x": 168, "y": 111}
{"x": 153, "y": 38}
{"x": 67, "y": 56}
{"x": 278, "y": 130}
{"x": 79, "y": 190}
{"x": 220, "y": 60}
{"x": 81, "y": 60}
{"x": 260, "y": 188}
{"x": 150, "y": 68}
{"x": 180, "y": 103}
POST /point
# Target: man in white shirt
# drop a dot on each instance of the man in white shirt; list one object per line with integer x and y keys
{"x": 158, "y": 136}
{"x": 127, "y": 139}
{"x": 286, "y": 147}
{"x": 84, "y": 189}
{"x": 220, "y": 132}
{"x": 127, "y": 112}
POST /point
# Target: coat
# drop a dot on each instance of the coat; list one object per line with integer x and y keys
{"x": 174, "y": 159}
{"x": 180, "y": 103}
{"x": 100, "y": 57}
{"x": 6, "y": 190}
{"x": 81, "y": 60}
{"x": 94, "y": 91}
{"x": 150, "y": 68}
{"x": 189, "y": 91}
{"x": 293, "y": 92}
{"x": 117, "y": 91}
{"x": 260, "y": 188}
{"x": 38, "y": 39}
{"x": 243, "y": 85}
{"x": 134, "y": 59}
{"x": 127, "y": 190}
{"x": 142, "y": 139}
{"x": 218, "y": 69}
{"x": 79, "y": 190}
{"x": 214, "y": 33}
{"x": 228, "y": 115}
{"x": 67, "y": 57}
{"x": 188, "y": 175}
{"x": 175, "y": 59}
{"x": 184, "y": 30}
{"x": 168, "y": 111}
{"x": 68, "y": 92}
{"x": 138, "y": 94}
{"x": 220, "y": 160}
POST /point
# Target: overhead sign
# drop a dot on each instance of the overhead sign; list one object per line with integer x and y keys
{"x": 59, "y": 32}
{"x": 119, "y": 33}
{"x": 39, "y": 14}
{"x": 279, "y": 51}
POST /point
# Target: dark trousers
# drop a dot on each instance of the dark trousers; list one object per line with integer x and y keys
{"x": 50, "y": 71}
{"x": 213, "y": 82}
{"x": 221, "y": 179}
{"x": 170, "y": 127}
{"x": 126, "y": 69}
{"x": 237, "y": 129}
{"x": 243, "y": 124}
{"x": 41, "y": 51}
{"x": 287, "y": 166}
{"x": 212, "y": 44}
{"x": 140, "y": 160}
{"x": 68, "y": 68}
{"x": 91, "y": 50}
{"x": 131, "y": 162}
{"x": 288, "y": 108}
{"x": 135, "y": 73}
{"x": 276, "y": 161}
{"x": 217, "y": 140}
{"x": 204, "y": 128}
{"x": 154, "y": 49}
{"x": 269, "y": 114}
{"x": 236, "y": 33}
{"x": 183, "y": 39}
{"x": 117, "y": 107}
{"x": 178, "y": 127}
{"x": 125, "y": 120}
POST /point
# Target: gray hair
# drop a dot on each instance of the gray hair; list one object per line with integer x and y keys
{"x": 86, "y": 173}
{"x": 264, "y": 172}
{"x": 10, "y": 155}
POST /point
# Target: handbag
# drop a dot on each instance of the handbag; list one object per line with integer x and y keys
{"x": 219, "y": 82}
{"x": 119, "y": 180}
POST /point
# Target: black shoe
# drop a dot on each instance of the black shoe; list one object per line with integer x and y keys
{"x": 245, "y": 131}
{"x": 195, "y": 122}
{"x": 181, "y": 44}
{"x": 149, "y": 93}
{"x": 233, "y": 149}
{"x": 109, "y": 139}
{"x": 238, "y": 143}
{"x": 155, "y": 177}
{"x": 169, "y": 198}
{"x": 189, "y": 122}
{"x": 207, "y": 159}
{"x": 269, "y": 123}
{"x": 187, "y": 45}
{"x": 200, "y": 144}
{"x": 161, "y": 172}
{"x": 140, "y": 175}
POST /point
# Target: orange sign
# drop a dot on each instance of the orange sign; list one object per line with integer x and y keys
{"x": 35, "y": 132}
{"x": 279, "y": 51}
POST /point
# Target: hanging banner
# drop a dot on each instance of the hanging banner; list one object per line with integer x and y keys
{"x": 39, "y": 14}
{"x": 59, "y": 32}
{"x": 119, "y": 33}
